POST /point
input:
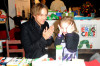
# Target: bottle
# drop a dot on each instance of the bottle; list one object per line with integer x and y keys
{"x": 70, "y": 10}
{"x": 58, "y": 52}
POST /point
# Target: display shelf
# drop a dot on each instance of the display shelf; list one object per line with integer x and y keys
{"x": 82, "y": 18}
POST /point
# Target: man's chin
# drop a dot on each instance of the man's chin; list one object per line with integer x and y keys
{"x": 42, "y": 23}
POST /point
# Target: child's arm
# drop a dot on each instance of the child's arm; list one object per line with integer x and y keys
{"x": 58, "y": 40}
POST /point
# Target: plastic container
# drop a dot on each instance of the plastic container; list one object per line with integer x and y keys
{"x": 58, "y": 52}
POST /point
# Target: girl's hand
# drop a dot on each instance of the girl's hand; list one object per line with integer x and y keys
{"x": 60, "y": 30}
{"x": 70, "y": 28}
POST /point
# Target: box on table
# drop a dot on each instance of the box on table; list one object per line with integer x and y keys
{"x": 4, "y": 60}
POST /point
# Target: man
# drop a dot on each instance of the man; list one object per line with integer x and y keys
{"x": 36, "y": 34}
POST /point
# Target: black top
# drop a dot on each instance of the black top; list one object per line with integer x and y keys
{"x": 71, "y": 40}
{"x": 17, "y": 20}
{"x": 32, "y": 40}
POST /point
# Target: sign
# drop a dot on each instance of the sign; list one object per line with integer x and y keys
{"x": 88, "y": 30}
{"x": 2, "y": 16}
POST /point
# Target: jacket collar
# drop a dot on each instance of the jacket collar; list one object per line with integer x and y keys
{"x": 35, "y": 24}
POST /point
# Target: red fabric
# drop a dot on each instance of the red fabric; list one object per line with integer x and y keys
{"x": 3, "y": 35}
{"x": 4, "y": 44}
{"x": 92, "y": 63}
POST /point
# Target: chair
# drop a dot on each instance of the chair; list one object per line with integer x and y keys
{"x": 14, "y": 42}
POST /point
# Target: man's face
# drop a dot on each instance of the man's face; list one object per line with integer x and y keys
{"x": 40, "y": 19}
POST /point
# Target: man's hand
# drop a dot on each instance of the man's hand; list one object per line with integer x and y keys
{"x": 47, "y": 33}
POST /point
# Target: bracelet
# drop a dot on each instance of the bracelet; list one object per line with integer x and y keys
{"x": 50, "y": 37}
{"x": 59, "y": 35}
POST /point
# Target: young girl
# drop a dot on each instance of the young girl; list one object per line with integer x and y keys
{"x": 68, "y": 38}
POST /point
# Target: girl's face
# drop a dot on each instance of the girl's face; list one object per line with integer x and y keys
{"x": 64, "y": 27}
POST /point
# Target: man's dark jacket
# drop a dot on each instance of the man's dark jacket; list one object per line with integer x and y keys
{"x": 32, "y": 40}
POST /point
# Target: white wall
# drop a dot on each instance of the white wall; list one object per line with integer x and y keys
{"x": 19, "y": 6}
{"x": 11, "y": 8}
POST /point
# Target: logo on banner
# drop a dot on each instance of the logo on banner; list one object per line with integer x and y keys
{"x": 85, "y": 42}
{"x": 2, "y": 16}
{"x": 88, "y": 30}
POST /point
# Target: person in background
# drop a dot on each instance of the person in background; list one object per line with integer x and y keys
{"x": 37, "y": 1}
{"x": 17, "y": 20}
{"x": 36, "y": 33}
{"x": 17, "y": 30}
{"x": 56, "y": 5}
{"x": 68, "y": 38}
{"x": 43, "y": 1}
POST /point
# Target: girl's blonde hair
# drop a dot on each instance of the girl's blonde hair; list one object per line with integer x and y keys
{"x": 36, "y": 9}
{"x": 69, "y": 20}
